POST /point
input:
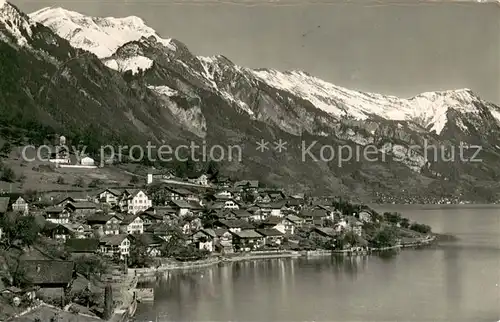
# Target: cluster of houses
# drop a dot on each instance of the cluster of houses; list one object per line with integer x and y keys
{"x": 222, "y": 219}
{"x": 226, "y": 218}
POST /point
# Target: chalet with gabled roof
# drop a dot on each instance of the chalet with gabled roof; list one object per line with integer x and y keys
{"x": 20, "y": 206}
{"x": 247, "y": 185}
{"x": 152, "y": 242}
{"x": 132, "y": 224}
{"x": 109, "y": 196}
{"x": 247, "y": 240}
{"x": 233, "y": 225}
{"x": 81, "y": 209}
{"x": 53, "y": 277}
{"x": 204, "y": 239}
{"x": 271, "y": 237}
{"x": 58, "y": 231}
{"x": 57, "y": 215}
{"x": 134, "y": 201}
{"x": 116, "y": 245}
{"x": 107, "y": 224}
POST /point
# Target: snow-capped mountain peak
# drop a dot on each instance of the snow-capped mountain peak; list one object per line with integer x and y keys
{"x": 111, "y": 40}
{"x": 99, "y": 35}
{"x": 428, "y": 109}
{"x": 15, "y": 23}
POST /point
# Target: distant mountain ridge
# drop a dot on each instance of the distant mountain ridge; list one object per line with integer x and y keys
{"x": 164, "y": 92}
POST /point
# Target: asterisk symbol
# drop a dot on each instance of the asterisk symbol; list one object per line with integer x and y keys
{"x": 262, "y": 146}
{"x": 280, "y": 145}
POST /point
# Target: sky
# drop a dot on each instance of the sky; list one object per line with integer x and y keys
{"x": 390, "y": 47}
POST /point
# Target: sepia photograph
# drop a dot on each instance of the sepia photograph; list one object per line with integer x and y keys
{"x": 249, "y": 160}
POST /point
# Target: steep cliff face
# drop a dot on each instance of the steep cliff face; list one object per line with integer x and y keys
{"x": 125, "y": 79}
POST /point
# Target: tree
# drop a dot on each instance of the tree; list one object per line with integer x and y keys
{"x": 19, "y": 230}
{"x": 139, "y": 256}
{"x": 30, "y": 195}
{"x": 350, "y": 238}
{"x": 176, "y": 241}
{"x": 248, "y": 197}
{"x": 90, "y": 266}
{"x": 8, "y": 174}
{"x": 420, "y": 228}
{"x": 385, "y": 237}
{"x": 60, "y": 180}
{"x": 392, "y": 217}
{"x": 6, "y": 149}
{"x": 134, "y": 180}
{"x": 108, "y": 302}
{"x": 208, "y": 219}
{"x": 213, "y": 170}
{"x": 95, "y": 183}
{"x": 405, "y": 223}
{"x": 79, "y": 182}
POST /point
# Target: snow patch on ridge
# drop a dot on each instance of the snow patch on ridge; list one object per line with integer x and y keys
{"x": 163, "y": 90}
{"x": 134, "y": 64}
{"x": 15, "y": 23}
{"x": 427, "y": 109}
{"x": 210, "y": 70}
{"x": 101, "y": 36}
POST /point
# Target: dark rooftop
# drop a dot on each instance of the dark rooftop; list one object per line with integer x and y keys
{"x": 81, "y": 245}
{"x": 269, "y": 232}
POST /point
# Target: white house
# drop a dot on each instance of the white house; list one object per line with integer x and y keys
{"x": 365, "y": 216}
{"x": 87, "y": 161}
{"x": 276, "y": 210}
{"x": 133, "y": 225}
{"x": 57, "y": 215}
{"x": 20, "y": 205}
{"x": 115, "y": 244}
{"x": 341, "y": 225}
{"x": 135, "y": 201}
{"x": 204, "y": 239}
{"x": 201, "y": 180}
{"x": 283, "y": 225}
{"x": 230, "y": 204}
{"x": 182, "y": 207}
{"x": 223, "y": 194}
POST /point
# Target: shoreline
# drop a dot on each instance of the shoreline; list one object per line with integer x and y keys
{"x": 264, "y": 255}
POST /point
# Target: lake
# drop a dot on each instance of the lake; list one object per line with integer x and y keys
{"x": 453, "y": 281}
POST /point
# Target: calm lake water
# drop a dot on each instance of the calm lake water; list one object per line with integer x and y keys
{"x": 455, "y": 281}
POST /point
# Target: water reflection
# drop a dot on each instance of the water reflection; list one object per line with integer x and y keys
{"x": 452, "y": 282}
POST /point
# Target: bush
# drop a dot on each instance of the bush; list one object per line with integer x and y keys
{"x": 95, "y": 183}
{"x": 392, "y": 217}
{"x": 134, "y": 180}
{"x": 90, "y": 266}
{"x": 420, "y": 228}
{"x": 190, "y": 253}
{"x": 8, "y": 174}
{"x": 79, "y": 182}
{"x": 385, "y": 238}
{"x": 405, "y": 223}
{"x": 6, "y": 149}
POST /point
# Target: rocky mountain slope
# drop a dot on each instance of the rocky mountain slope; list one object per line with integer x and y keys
{"x": 127, "y": 81}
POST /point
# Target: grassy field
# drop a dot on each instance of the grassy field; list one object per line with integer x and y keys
{"x": 44, "y": 176}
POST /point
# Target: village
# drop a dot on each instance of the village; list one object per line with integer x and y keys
{"x": 72, "y": 248}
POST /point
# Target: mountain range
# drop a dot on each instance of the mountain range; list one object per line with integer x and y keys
{"x": 119, "y": 79}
